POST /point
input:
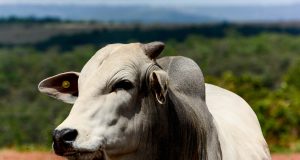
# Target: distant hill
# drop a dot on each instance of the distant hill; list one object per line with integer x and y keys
{"x": 152, "y": 14}
{"x": 249, "y": 13}
{"x": 127, "y": 14}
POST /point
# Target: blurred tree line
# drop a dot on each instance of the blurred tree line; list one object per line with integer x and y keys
{"x": 263, "y": 68}
{"x": 30, "y": 20}
{"x": 179, "y": 33}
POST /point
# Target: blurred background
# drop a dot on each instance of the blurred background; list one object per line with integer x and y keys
{"x": 250, "y": 47}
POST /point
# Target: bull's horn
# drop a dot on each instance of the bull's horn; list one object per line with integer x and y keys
{"x": 153, "y": 49}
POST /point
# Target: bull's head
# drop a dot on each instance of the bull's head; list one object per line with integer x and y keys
{"x": 108, "y": 117}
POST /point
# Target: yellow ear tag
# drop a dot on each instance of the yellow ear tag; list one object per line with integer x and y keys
{"x": 65, "y": 84}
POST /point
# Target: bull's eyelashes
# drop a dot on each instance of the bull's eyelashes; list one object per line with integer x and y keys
{"x": 122, "y": 85}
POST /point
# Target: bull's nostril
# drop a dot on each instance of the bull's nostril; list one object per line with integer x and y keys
{"x": 65, "y": 135}
{"x": 69, "y": 135}
{"x": 63, "y": 140}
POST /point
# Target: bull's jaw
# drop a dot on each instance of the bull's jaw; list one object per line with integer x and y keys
{"x": 84, "y": 155}
{"x": 98, "y": 155}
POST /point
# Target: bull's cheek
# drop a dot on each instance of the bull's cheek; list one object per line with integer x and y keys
{"x": 124, "y": 147}
{"x": 124, "y": 142}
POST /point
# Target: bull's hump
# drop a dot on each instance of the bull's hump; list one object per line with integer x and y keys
{"x": 185, "y": 74}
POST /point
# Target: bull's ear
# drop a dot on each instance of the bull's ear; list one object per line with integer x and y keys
{"x": 153, "y": 49}
{"x": 159, "y": 85}
{"x": 63, "y": 86}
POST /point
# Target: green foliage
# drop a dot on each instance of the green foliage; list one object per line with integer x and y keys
{"x": 27, "y": 117}
{"x": 277, "y": 109}
{"x": 263, "y": 69}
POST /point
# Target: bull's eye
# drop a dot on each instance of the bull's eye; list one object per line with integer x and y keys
{"x": 125, "y": 85}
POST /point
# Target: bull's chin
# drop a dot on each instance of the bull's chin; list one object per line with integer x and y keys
{"x": 84, "y": 155}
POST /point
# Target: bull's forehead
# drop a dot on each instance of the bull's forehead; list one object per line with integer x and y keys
{"x": 112, "y": 62}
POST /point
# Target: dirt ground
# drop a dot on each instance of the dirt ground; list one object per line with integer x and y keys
{"x": 14, "y": 155}
{"x": 286, "y": 157}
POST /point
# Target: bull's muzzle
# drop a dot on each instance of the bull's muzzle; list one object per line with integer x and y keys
{"x": 63, "y": 141}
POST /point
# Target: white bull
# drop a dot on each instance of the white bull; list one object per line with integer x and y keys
{"x": 130, "y": 106}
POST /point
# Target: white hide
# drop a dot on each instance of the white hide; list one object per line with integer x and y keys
{"x": 238, "y": 128}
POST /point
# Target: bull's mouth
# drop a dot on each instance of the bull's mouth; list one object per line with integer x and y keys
{"x": 84, "y": 155}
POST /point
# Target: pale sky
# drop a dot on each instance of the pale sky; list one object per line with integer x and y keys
{"x": 157, "y": 2}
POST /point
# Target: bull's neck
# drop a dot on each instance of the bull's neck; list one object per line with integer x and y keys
{"x": 171, "y": 134}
